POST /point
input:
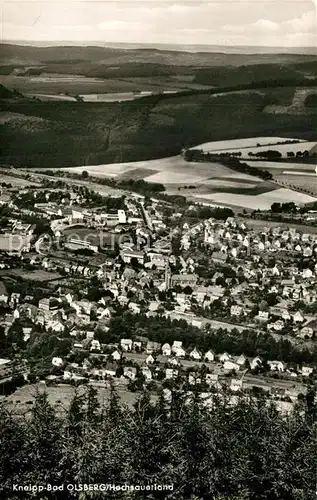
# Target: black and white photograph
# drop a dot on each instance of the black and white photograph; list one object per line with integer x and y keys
{"x": 158, "y": 250}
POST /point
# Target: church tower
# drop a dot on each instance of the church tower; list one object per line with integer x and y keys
{"x": 167, "y": 275}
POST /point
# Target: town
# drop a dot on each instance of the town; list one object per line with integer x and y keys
{"x": 136, "y": 291}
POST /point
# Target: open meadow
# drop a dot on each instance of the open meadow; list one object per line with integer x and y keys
{"x": 59, "y": 396}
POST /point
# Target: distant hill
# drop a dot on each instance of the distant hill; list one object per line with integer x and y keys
{"x": 30, "y": 55}
{"x": 54, "y": 134}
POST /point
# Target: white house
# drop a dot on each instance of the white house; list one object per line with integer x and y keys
{"x": 67, "y": 375}
{"x": 236, "y": 385}
{"x": 276, "y": 366}
{"x": 193, "y": 379}
{"x": 179, "y": 352}
{"x": 130, "y": 372}
{"x": 116, "y": 356}
{"x": 58, "y": 362}
{"x": 150, "y": 359}
{"x": 194, "y": 354}
{"x": 241, "y": 360}
{"x": 307, "y": 370}
{"x": 224, "y": 357}
{"x": 263, "y": 315}
{"x": 174, "y": 361}
{"x": 298, "y": 317}
{"x": 171, "y": 373}
{"x": 209, "y": 356}
{"x": 228, "y": 366}
{"x": 177, "y": 344}
{"x": 236, "y": 310}
{"x": 134, "y": 307}
{"x": 286, "y": 315}
{"x": 257, "y": 361}
{"x": 16, "y": 314}
{"x": 95, "y": 345}
{"x": 55, "y": 326}
{"x": 305, "y": 332}
{"x": 166, "y": 349}
{"x": 110, "y": 370}
{"x": 212, "y": 379}
{"x": 147, "y": 373}
{"x": 126, "y": 344}
{"x": 137, "y": 345}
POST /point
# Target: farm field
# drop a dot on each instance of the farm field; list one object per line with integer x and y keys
{"x": 172, "y": 170}
{"x": 15, "y": 181}
{"x": 282, "y": 148}
{"x": 254, "y": 145}
{"x": 224, "y": 183}
{"x": 36, "y": 275}
{"x": 73, "y": 84}
{"x": 262, "y": 201}
{"x": 171, "y": 177}
{"x": 136, "y": 174}
{"x": 92, "y": 89}
{"x": 268, "y": 165}
{"x": 237, "y": 144}
{"x": 298, "y": 175}
{"x": 52, "y": 97}
{"x": 214, "y": 183}
{"x": 172, "y": 82}
{"x": 307, "y": 182}
{"x": 296, "y": 172}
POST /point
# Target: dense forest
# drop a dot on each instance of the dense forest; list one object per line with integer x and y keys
{"x": 246, "y": 451}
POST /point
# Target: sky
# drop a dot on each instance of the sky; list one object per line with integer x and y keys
{"x": 275, "y": 23}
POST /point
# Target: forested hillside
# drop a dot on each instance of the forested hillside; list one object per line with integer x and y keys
{"x": 246, "y": 451}
{"x": 54, "y": 134}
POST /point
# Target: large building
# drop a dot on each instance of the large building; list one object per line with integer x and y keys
{"x": 15, "y": 243}
{"x": 184, "y": 279}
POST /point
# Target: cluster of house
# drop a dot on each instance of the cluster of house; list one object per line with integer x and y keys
{"x": 233, "y": 239}
{"x": 130, "y": 359}
{"x": 138, "y": 289}
{"x": 265, "y": 262}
